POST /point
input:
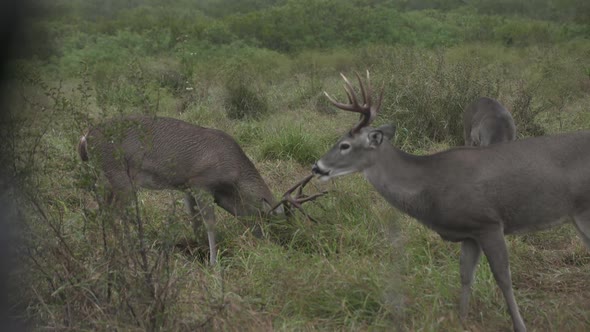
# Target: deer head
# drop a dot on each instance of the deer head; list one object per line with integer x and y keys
{"x": 357, "y": 149}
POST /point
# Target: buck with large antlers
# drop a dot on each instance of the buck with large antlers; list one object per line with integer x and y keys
{"x": 471, "y": 195}
{"x": 165, "y": 153}
{"x": 486, "y": 121}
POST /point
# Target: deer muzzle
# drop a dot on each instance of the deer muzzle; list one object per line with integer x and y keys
{"x": 319, "y": 172}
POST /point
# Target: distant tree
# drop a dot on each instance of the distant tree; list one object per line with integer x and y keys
{"x": 222, "y": 8}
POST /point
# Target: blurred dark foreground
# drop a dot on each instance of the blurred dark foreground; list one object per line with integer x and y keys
{"x": 12, "y": 13}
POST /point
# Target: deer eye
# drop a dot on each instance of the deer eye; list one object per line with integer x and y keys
{"x": 344, "y": 146}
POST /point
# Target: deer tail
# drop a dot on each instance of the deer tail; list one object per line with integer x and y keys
{"x": 83, "y": 148}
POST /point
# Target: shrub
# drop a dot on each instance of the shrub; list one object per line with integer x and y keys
{"x": 292, "y": 143}
{"x": 128, "y": 88}
{"x": 309, "y": 70}
{"x": 522, "y": 33}
{"x": 525, "y": 113}
{"x": 218, "y": 33}
{"x": 247, "y": 75}
{"x": 242, "y": 102}
{"x": 426, "y": 95}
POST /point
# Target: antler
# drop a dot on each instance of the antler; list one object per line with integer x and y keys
{"x": 366, "y": 109}
{"x": 300, "y": 198}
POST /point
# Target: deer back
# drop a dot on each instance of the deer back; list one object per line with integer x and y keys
{"x": 529, "y": 184}
{"x": 487, "y": 122}
{"x": 165, "y": 153}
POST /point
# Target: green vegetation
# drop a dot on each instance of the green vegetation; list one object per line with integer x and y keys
{"x": 256, "y": 69}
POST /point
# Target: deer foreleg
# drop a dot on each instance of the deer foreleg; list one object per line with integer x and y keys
{"x": 494, "y": 247}
{"x": 201, "y": 210}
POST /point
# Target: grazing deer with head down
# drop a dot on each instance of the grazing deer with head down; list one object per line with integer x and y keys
{"x": 486, "y": 121}
{"x": 471, "y": 195}
{"x": 164, "y": 153}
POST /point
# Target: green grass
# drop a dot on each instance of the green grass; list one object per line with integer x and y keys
{"x": 363, "y": 266}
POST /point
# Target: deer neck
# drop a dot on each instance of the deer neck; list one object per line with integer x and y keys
{"x": 401, "y": 179}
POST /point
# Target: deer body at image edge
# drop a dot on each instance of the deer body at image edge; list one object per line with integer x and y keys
{"x": 471, "y": 195}
{"x": 164, "y": 153}
{"x": 486, "y": 121}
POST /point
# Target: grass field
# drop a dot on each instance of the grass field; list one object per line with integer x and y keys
{"x": 363, "y": 266}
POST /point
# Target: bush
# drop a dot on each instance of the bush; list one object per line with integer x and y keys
{"x": 292, "y": 143}
{"x": 242, "y": 102}
{"x": 525, "y": 113}
{"x": 248, "y": 73}
{"x": 126, "y": 88}
{"x": 426, "y": 96}
{"x": 218, "y": 33}
{"x": 522, "y": 33}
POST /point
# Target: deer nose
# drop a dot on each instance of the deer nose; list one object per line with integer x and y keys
{"x": 318, "y": 171}
{"x": 315, "y": 169}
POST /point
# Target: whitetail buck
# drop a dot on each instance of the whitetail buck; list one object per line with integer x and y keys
{"x": 471, "y": 195}
{"x": 486, "y": 121}
{"x": 164, "y": 153}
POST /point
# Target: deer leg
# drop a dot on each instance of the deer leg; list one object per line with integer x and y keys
{"x": 470, "y": 253}
{"x": 210, "y": 224}
{"x": 582, "y": 223}
{"x": 116, "y": 200}
{"x": 474, "y": 137}
{"x": 196, "y": 218}
{"x": 120, "y": 199}
{"x": 202, "y": 210}
{"x": 467, "y": 140}
{"x": 494, "y": 247}
{"x": 117, "y": 192}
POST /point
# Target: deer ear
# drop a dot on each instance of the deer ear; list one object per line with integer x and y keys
{"x": 388, "y": 131}
{"x": 375, "y": 138}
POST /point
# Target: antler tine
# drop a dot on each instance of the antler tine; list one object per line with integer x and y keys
{"x": 354, "y": 105}
{"x": 300, "y": 198}
{"x": 365, "y": 91}
{"x": 299, "y": 185}
{"x": 367, "y": 110}
{"x": 370, "y": 88}
{"x": 350, "y": 92}
{"x": 351, "y": 96}
{"x": 342, "y": 106}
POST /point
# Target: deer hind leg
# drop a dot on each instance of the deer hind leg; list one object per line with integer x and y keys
{"x": 201, "y": 210}
{"x": 494, "y": 247}
{"x": 470, "y": 254}
{"x": 582, "y": 223}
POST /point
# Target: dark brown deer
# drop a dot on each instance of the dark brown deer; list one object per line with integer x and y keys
{"x": 164, "y": 153}
{"x": 471, "y": 195}
{"x": 486, "y": 121}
